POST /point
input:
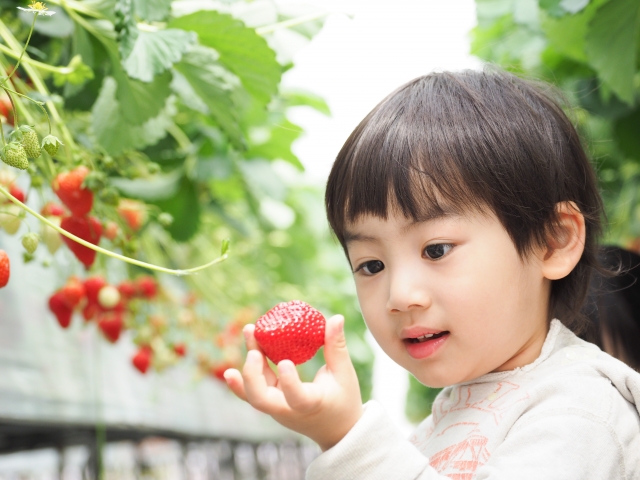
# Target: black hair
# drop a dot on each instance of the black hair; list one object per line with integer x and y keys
{"x": 613, "y": 305}
{"x": 473, "y": 140}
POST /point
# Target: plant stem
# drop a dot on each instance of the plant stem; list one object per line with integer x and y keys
{"x": 13, "y": 105}
{"x": 40, "y": 65}
{"x": 38, "y": 83}
{"x": 104, "y": 251}
{"x": 24, "y": 49}
{"x": 44, "y": 110}
{"x": 4, "y": 142}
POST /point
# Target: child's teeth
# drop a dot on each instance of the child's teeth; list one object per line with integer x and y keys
{"x": 424, "y": 337}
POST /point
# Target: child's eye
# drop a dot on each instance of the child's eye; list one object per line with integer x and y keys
{"x": 437, "y": 250}
{"x": 371, "y": 268}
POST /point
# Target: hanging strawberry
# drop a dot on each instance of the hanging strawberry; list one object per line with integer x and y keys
{"x": 87, "y": 228}
{"x": 68, "y": 187}
{"x": 5, "y": 268}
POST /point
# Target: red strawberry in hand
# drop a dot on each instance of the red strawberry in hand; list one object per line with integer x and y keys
{"x": 111, "y": 324}
{"x": 292, "y": 330}
{"x": 87, "y": 228}
{"x": 60, "y": 309}
{"x": 5, "y": 268}
{"x": 142, "y": 359}
{"x": 68, "y": 187}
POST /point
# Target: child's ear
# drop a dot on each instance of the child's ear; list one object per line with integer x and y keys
{"x": 565, "y": 243}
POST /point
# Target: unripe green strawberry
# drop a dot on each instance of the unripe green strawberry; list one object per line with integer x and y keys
{"x": 50, "y": 144}
{"x": 30, "y": 242}
{"x": 51, "y": 238}
{"x": 30, "y": 141}
{"x": 13, "y": 154}
{"x": 10, "y": 218}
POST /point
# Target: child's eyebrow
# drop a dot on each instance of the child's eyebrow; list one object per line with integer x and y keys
{"x": 350, "y": 237}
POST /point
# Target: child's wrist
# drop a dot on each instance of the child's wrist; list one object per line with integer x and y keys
{"x": 337, "y": 434}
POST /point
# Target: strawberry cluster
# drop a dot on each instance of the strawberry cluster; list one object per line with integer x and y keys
{"x": 108, "y": 305}
{"x": 69, "y": 186}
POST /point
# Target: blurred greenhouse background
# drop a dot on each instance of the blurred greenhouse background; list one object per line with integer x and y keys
{"x": 203, "y": 121}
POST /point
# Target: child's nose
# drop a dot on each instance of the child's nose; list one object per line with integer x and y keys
{"x": 407, "y": 291}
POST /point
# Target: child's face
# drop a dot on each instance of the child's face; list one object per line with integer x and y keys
{"x": 456, "y": 274}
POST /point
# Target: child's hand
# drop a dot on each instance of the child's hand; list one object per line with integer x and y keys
{"x": 324, "y": 410}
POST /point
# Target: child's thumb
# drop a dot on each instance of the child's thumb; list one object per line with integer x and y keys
{"x": 335, "y": 345}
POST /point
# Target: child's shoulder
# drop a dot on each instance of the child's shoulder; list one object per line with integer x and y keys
{"x": 577, "y": 378}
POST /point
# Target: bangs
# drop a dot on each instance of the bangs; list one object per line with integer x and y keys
{"x": 413, "y": 155}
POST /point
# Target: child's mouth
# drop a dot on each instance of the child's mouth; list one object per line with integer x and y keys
{"x": 424, "y": 338}
{"x": 425, "y": 345}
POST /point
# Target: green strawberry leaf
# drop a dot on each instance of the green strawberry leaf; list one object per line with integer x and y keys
{"x": 76, "y": 73}
{"x": 278, "y": 144}
{"x": 611, "y": 44}
{"x": 559, "y": 8}
{"x": 219, "y": 89}
{"x": 141, "y": 101}
{"x": 114, "y": 133}
{"x": 297, "y": 98}
{"x": 241, "y": 50}
{"x": 152, "y": 10}
{"x": 184, "y": 207}
{"x": 155, "y": 52}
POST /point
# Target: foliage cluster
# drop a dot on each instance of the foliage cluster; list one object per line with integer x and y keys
{"x": 178, "y": 107}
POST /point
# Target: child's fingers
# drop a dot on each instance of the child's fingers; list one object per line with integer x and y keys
{"x": 249, "y": 338}
{"x": 252, "y": 344}
{"x": 301, "y": 397}
{"x": 259, "y": 393}
{"x": 335, "y": 347}
{"x": 235, "y": 383}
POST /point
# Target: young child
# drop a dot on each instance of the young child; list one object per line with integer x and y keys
{"x": 469, "y": 214}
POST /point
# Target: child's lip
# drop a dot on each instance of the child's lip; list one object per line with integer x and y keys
{"x": 418, "y": 331}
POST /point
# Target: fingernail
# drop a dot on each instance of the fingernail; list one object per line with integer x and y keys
{"x": 245, "y": 332}
{"x": 285, "y": 367}
{"x": 227, "y": 374}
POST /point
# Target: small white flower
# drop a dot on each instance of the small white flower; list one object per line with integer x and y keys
{"x": 38, "y": 8}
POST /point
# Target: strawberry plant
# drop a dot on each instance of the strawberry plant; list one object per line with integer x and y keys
{"x": 158, "y": 137}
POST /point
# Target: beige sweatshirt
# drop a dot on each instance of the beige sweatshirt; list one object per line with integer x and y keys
{"x": 571, "y": 414}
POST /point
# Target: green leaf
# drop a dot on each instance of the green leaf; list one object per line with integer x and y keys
{"x": 154, "y": 52}
{"x": 296, "y": 98}
{"x": 158, "y": 187}
{"x": 184, "y": 207}
{"x": 278, "y": 144}
{"x": 262, "y": 180}
{"x": 611, "y": 44}
{"x": 219, "y": 89}
{"x": 625, "y": 131}
{"x": 76, "y": 73}
{"x": 114, "y": 133}
{"x": 574, "y": 6}
{"x": 141, "y": 101}
{"x": 559, "y": 8}
{"x": 241, "y": 50}
{"x": 152, "y": 10}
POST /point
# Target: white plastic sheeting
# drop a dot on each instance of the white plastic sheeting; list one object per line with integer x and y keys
{"x": 73, "y": 376}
